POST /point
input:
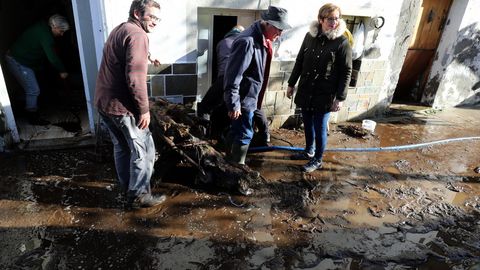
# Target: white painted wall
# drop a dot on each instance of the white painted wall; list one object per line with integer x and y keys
{"x": 304, "y": 12}
{"x": 175, "y": 39}
{"x": 454, "y": 73}
{"x": 7, "y": 109}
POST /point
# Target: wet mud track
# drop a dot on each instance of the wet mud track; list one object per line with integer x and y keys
{"x": 416, "y": 209}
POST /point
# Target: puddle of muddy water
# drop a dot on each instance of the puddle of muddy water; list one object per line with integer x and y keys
{"x": 396, "y": 210}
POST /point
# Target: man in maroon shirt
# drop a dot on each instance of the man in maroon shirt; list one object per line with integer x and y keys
{"x": 121, "y": 98}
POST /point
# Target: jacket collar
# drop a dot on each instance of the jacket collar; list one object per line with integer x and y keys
{"x": 136, "y": 22}
{"x": 255, "y": 32}
{"x": 315, "y": 30}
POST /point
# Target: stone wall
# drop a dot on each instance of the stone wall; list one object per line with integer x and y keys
{"x": 361, "y": 99}
{"x": 176, "y": 82}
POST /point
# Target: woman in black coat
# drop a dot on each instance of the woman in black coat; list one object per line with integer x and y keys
{"x": 324, "y": 66}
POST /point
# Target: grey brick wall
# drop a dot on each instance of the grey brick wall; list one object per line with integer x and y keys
{"x": 364, "y": 96}
{"x": 179, "y": 82}
{"x": 360, "y": 102}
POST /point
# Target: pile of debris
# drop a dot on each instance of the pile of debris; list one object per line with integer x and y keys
{"x": 179, "y": 137}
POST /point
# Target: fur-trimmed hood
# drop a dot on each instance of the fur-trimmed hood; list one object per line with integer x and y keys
{"x": 315, "y": 28}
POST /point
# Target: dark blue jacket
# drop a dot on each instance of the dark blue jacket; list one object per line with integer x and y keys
{"x": 223, "y": 51}
{"x": 245, "y": 69}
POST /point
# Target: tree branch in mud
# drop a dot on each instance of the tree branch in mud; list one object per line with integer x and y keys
{"x": 179, "y": 136}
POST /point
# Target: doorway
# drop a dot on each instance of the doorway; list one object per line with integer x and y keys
{"x": 61, "y": 102}
{"x": 213, "y": 24}
{"x": 421, "y": 52}
{"x": 221, "y": 26}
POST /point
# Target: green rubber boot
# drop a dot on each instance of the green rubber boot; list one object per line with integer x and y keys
{"x": 238, "y": 153}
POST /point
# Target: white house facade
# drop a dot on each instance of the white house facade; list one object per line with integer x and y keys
{"x": 185, "y": 39}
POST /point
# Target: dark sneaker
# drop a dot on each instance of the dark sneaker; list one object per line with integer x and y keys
{"x": 263, "y": 144}
{"x": 302, "y": 156}
{"x": 264, "y": 139}
{"x": 146, "y": 200}
{"x": 312, "y": 165}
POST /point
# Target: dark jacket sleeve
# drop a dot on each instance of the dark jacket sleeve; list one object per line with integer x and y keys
{"x": 241, "y": 55}
{"x": 297, "y": 68}
{"x": 345, "y": 70}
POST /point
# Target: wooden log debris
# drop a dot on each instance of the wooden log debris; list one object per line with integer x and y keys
{"x": 180, "y": 136}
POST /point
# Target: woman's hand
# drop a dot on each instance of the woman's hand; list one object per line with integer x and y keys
{"x": 290, "y": 91}
{"x": 336, "y": 106}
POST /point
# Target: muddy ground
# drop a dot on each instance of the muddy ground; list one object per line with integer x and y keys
{"x": 414, "y": 209}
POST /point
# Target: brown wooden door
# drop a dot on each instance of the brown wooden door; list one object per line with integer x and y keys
{"x": 423, "y": 46}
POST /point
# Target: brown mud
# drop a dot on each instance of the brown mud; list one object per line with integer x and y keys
{"x": 415, "y": 209}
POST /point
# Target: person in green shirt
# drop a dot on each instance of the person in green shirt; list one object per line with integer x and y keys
{"x": 27, "y": 55}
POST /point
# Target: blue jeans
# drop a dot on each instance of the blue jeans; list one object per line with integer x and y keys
{"x": 241, "y": 130}
{"x": 315, "y": 125}
{"x": 26, "y": 77}
{"x": 134, "y": 153}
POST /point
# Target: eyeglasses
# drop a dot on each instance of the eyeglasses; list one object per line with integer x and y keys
{"x": 153, "y": 17}
{"x": 332, "y": 19}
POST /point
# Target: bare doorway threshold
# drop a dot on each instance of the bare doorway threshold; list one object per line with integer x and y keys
{"x": 67, "y": 129}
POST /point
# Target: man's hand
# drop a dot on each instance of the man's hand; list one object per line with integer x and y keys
{"x": 290, "y": 91}
{"x": 234, "y": 114}
{"x": 63, "y": 75}
{"x": 144, "y": 121}
{"x": 155, "y": 62}
{"x": 337, "y": 105}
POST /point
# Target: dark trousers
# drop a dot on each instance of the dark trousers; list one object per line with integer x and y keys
{"x": 212, "y": 104}
{"x": 212, "y": 99}
{"x": 219, "y": 122}
{"x": 261, "y": 123}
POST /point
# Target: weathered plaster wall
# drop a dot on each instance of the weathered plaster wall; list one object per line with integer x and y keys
{"x": 401, "y": 36}
{"x": 6, "y": 116}
{"x": 175, "y": 39}
{"x": 455, "y": 77}
{"x": 175, "y": 44}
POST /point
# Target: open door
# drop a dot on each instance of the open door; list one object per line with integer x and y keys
{"x": 213, "y": 24}
{"x": 221, "y": 26}
{"x": 62, "y": 102}
{"x": 421, "y": 52}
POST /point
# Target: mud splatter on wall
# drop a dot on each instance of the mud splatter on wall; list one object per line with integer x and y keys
{"x": 455, "y": 77}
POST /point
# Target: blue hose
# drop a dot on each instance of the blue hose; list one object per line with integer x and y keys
{"x": 372, "y": 149}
